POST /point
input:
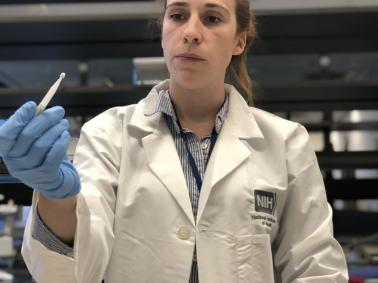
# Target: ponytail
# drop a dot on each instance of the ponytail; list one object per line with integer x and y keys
{"x": 237, "y": 70}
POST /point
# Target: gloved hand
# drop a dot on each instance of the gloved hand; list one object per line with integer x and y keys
{"x": 34, "y": 150}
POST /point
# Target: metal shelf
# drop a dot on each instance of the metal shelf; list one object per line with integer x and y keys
{"x": 285, "y": 97}
{"x": 85, "y": 31}
{"x": 351, "y": 189}
{"x": 52, "y": 10}
{"x": 348, "y": 160}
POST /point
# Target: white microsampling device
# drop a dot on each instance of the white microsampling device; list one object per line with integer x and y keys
{"x": 50, "y": 94}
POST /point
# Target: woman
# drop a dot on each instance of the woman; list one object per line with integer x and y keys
{"x": 189, "y": 185}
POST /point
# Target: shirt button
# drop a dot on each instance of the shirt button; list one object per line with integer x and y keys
{"x": 204, "y": 146}
{"x": 183, "y": 233}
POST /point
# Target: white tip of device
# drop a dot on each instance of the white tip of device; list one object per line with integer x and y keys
{"x": 49, "y": 95}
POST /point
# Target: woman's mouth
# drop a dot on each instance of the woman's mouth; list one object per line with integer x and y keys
{"x": 189, "y": 59}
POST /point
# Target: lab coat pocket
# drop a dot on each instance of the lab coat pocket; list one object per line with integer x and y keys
{"x": 133, "y": 259}
{"x": 216, "y": 257}
{"x": 254, "y": 257}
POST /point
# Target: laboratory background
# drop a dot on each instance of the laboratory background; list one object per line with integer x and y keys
{"x": 314, "y": 62}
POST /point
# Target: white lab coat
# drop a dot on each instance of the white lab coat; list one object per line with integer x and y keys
{"x": 135, "y": 221}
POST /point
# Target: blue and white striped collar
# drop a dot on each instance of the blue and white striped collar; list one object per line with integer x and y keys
{"x": 164, "y": 105}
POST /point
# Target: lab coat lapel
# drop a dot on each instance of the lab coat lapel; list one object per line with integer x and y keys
{"x": 233, "y": 145}
{"x": 165, "y": 163}
{"x": 161, "y": 151}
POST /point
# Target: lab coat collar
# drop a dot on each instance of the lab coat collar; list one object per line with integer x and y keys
{"x": 145, "y": 117}
{"x": 239, "y": 114}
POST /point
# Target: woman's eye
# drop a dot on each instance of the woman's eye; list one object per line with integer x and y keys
{"x": 213, "y": 19}
{"x": 180, "y": 17}
{"x": 177, "y": 17}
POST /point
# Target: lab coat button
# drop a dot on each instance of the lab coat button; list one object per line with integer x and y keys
{"x": 183, "y": 233}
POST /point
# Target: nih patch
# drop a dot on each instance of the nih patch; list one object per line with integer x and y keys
{"x": 265, "y": 201}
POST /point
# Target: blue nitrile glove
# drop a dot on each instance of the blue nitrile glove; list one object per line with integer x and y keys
{"x": 34, "y": 150}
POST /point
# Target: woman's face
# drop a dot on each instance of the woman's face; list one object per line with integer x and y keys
{"x": 206, "y": 30}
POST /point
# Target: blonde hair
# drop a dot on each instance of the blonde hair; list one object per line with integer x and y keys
{"x": 237, "y": 70}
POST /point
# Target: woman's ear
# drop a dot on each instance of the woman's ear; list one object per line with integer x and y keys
{"x": 240, "y": 43}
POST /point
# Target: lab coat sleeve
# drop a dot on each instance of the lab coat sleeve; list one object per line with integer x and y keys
{"x": 46, "y": 237}
{"x": 43, "y": 264}
{"x": 97, "y": 160}
{"x": 305, "y": 249}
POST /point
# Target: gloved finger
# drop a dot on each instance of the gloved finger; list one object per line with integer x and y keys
{"x": 39, "y": 149}
{"x": 58, "y": 151}
{"x": 47, "y": 172}
{"x": 12, "y": 127}
{"x": 35, "y": 129}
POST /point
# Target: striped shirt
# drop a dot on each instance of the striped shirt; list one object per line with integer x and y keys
{"x": 199, "y": 149}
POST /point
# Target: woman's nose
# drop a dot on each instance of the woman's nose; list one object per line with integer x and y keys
{"x": 193, "y": 32}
